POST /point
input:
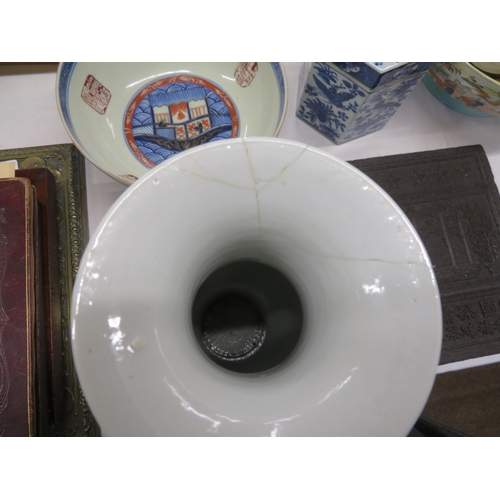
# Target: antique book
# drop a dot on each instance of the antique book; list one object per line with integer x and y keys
{"x": 17, "y": 308}
{"x": 49, "y": 312}
{"x": 67, "y": 166}
{"x": 41, "y": 382}
{"x": 451, "y": 198}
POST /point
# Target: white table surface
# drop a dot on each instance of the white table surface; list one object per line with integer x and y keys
{"x": 29, "y": 117}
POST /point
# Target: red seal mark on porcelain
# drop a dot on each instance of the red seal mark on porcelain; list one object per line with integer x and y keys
{"x": 245, "y": 73}
{"x": 96, "y": 95}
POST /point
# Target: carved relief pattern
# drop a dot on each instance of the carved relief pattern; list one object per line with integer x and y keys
{"x": 451, "y": 198}
{"x": 462, "y": 236}
{"x": 68, "y": 167}
{"x": 466, "y": 322}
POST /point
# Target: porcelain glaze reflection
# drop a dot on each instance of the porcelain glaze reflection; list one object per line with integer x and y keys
{"x": 366, "y": 360}
{"x": 128, "y": 117}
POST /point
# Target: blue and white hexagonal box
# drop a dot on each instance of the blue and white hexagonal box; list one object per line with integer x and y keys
{"x": 345, "y": 101}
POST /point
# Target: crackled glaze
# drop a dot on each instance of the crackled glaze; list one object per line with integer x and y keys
{"x": 366, "y": 360}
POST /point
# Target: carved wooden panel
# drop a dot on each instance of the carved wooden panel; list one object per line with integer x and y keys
{"x": 451, "y": 198}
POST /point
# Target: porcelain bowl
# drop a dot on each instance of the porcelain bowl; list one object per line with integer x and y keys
{"x": 463, "y": 87}
{"x": 126, "y": 118}
{"x": 366, "y": 358}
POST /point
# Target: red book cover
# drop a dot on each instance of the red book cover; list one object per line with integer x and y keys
{"x": 49, "y": 343}
{"x": 17, "y": 395}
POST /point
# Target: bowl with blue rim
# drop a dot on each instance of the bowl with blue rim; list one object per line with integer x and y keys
{"x": 126, "y": 118}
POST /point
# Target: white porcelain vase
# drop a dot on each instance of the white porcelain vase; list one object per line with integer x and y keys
{"x": 365, "y": 357}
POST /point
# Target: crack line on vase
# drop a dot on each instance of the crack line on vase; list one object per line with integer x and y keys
{"x": 213, "y": 179}
{"x": 252, "y": 173}
{"x": 282, "y": 171}
{"x": 300, "y": 247}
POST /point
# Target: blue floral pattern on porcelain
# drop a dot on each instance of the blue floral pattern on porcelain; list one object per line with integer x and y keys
{"x": 345, "y": 101}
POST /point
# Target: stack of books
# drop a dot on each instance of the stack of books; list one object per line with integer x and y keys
{"x": 31, "y": 390}
{"x": 43, "y": 233}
